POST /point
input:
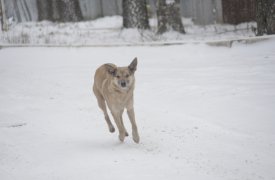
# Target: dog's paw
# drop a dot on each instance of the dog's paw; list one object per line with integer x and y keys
{"x": 136, "y": 137}
{"x": 112, "y": 129}
{"x": 121, "y": 137}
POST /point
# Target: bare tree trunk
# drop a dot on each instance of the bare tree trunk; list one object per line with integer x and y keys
{"x": 44, "y": 10}
{"x": 265, "y": 17}
{"x": 169, "y": 17}
{"x": 270, "y": 19}
{"x": 59, "y": 10}
{"x": 4, "y": 25}
{"x": 55, "y": 10}
{"x": 135, "y": 14}
{"x": 69, "y": 10}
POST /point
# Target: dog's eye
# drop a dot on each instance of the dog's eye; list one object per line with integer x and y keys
{"x": 127, "y": 75}
{"x": 118, "y": 77}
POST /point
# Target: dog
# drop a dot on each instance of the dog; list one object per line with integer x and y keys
{"x": 115, "y": 86}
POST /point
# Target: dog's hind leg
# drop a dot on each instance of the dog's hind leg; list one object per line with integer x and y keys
{"x": 102, "y": 105}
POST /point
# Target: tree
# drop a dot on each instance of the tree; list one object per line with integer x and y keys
{"x": 135, "y": 14}
{"x": 4, "y": 25}
{"x": 69, "y": 10}
{"x": 265, "y": 17}
{"x": 169, "y": 17}
{"x": 59, "y": 10}
{"x": 44, "y": 10}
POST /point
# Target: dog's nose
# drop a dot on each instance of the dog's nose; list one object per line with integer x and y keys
{"x": 123, "y": 84}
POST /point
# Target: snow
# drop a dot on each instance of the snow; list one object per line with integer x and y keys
{"x": 203, "y": 113}
{"x": 108, "y": 30}
{"x": 170, "y": 1}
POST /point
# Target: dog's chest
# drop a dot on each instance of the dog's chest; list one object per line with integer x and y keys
{"x": 117, "y": 100}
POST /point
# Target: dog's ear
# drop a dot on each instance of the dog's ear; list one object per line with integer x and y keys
{"x": 111, "y": 69}
{"x": 133, "y": 66}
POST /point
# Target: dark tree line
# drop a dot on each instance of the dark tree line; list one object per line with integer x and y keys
{"x": 135, "y": 13}
{"x": 265, "y": 17}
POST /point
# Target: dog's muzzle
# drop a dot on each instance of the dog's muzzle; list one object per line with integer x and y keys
{"x": 123, "y": 84}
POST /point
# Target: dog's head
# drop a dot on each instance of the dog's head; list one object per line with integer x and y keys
{"x": 123, "y": 77}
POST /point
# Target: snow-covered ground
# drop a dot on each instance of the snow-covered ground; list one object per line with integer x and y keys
{"x": 203, "y": 113}
{"x": 108, "y": 30}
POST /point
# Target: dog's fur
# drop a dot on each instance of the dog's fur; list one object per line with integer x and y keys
{"x": 114, "y": 86}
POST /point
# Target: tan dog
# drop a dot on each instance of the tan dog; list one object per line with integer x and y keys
{"x": 115, "y": 86}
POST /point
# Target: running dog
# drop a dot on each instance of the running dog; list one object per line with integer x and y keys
{"x": 115, "y": 86}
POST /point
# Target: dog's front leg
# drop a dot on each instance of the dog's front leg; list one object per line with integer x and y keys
{"x": 126, "y": 133}
{"x": 118, "y": 120}
{"x": 131, "y": 115}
